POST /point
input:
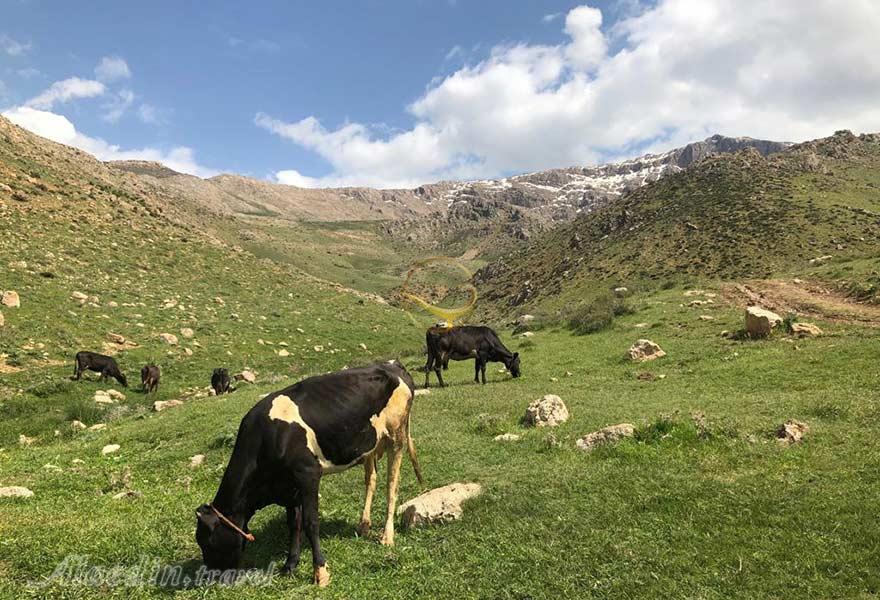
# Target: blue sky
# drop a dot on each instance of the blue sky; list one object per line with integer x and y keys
{"x": 399, "y": 93}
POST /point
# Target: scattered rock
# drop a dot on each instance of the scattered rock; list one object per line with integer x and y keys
{"x": 641, "y": 325}
{"x": 439, "y": 505}
{"x": 220, "y": 301}
{"x": 548, "y": 411}
{"x": 362, "y": 346}
{"x": 760, "y": 322}
{"x": 319, "y": 348}
{"x": 2, "y": 320}
{"x": 24, "y": 440}
{"x": 820, "y": 259}
{"x": 116, "y": 338}
{"x": 620, "y": 291}
{"x": 645, "y": 350}
{"x": 507, "y": 437}
{"x": 98, "y": 427}
{"x": 10, "y": 299}
{"x": 15, "y": 491}
{"x": 283, "y": 353}
{"x": 691, "y": 293}
{"x": 188, "y": 351}
{"x": 187, "y": 332}
{"x": 168, "y": 338}
{"x": 612, "y": 433}
{"x": 523, "y": 321}
{"x": 805, "y": 330}
{"x": 791, "y": 431}
{"x": 160, "y": 405}
{"x": 127, "y": 494}
{"x": 423, "y": 392}
{"x": 102, "y": 397}
{"x": 527, "y": 334}
{"x": 246, "y": 376}
{"x": 79, "y": 297}
{"x": 707, "y": 318}
{"x": 110, "y": 449}
{"x": 116, "y": 394}
{"x": 197, "y": 460}
{"x": 79, "y": 425}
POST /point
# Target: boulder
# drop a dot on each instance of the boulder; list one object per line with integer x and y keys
{"x": 15, "y": 491}
{"x": 246, "y": 376}
{"x": 168, "y": 338}
{"x": 439, "y": 505}
{"x": 507, "y": 437}
{"x": 805, "y": 330}
{"x": 612, "y": 433}
{"x": 110, "y": 449}
{"x": 197, "y": 460}
{"x": 645, "y": 350}
{"x": 10, "y": 299}
{"x": 102, "y": 397}
{"x": 791, "y": 432}
{"x": 548, "y": 411}
{"x": 760, "y": 322}
{"x": 160, "y": 405}
{"x": 116, "y": 394}
{"x": 523, "y": 321}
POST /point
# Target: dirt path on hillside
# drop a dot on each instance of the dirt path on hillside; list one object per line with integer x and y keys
{"x": 804, "y": 298}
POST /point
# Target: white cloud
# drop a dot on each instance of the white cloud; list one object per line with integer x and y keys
{"x": 68, "y": 89}
{"x": 117, "y": 106}
{"x": 13, "y": 47}
{"x": 28, "y": 72}
{"x": 683, "y": 70}
{"x": 111, "y": 68}
{"x": 59, "y": 129}
{"x": 550, "y": 18}
{"x": 148, "y": 114}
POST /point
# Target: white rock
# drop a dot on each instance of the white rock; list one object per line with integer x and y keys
{"x": 110, "y": 449}
{"x": 2, "y": 320}
{"x": 319, "y": 348}
{"x": 644, "y": 350}
{"x": 438, "y": 505}
{"x": 102, "y": 397}
{"x": 612, "y": 433}
{"x": 24, "y": 440}
{"x": 116, "y": 394}
{"x": 187, "y": 332}
{"x": 791, "y": 432}
{"x": 362, "y": 346}
{"x": 760, "y": 322}
{"x": 79, "y": 296}
{"x": 116, "y": 338}
{"x": 283, "y": 353}
{"x": 422, "y": 392}
{"x": 197, "y": 460}
{"x": 98, "y": 427}
{"x": 10, "y": 298}
{"x": 168, "y": 338}
{"x": 77, "y": 425}
{"x": 506, "y": 437}
{"x": 15, "y": 491}
{"x": 127, "y": 494}
{"x": 160, "y": 405}
{"x": 548, "y": 411}
{"x": 246, "y": 376}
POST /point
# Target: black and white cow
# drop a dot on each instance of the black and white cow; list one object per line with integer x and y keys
{"x": 99, "y": 363}
{"x": 290, "y": 439}
{"x": 467, "y": 342}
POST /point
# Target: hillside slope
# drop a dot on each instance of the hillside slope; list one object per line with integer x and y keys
{"x": 728, "y": 216}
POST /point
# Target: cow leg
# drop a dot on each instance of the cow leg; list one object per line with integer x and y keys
{"x": 294, "y": 524}
{"x": 370, "y": 485}
{"x": 483, "y": 371}
{"x": 395, "y": 456}
{"x": 309, "y": 490}
{"x": 428, "y": 366}
{"x": 437, "y": 372}
{"x": 477, "y": 370}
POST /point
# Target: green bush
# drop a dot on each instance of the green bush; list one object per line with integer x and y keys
{"x": 83, "y": 409}
{"x": 489, "y": 424}
{"x": 596, "y": 315}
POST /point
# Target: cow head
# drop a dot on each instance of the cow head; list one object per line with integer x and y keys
{"x": 221, "y": 546}
{"x": 120, "y": 377}
{"x": 512, "y": 364}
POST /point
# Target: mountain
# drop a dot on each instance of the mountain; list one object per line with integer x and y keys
{"x": 728, "y": 216}
{"x": 543, "y": 197}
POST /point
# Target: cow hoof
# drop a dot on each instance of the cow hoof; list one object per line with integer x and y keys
{"x": 322, "y": 576}
{"x": 387, "y": 540}
{"x": 289, "y": 568}
{"x": 363, "y": 529}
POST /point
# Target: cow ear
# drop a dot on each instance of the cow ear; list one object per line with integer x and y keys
{"x": 516, "y": 354}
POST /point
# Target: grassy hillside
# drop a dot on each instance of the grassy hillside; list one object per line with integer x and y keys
{"x": 727, "y": 217}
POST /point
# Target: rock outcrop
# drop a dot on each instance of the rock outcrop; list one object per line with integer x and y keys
{"x": 439, "y": 505}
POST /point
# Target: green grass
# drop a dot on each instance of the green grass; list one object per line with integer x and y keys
{"x": 671, "y": 514}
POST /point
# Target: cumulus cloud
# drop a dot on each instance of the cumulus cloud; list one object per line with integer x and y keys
{"x": 13, "y": 47}
{"x": 118, "y": 105}
{"x": 111, "y": 68}
{"x": 680, "y": 71}
{"x": 550, "y": 17}
{"x": 59, "y": 129}
{"x": 66, "y": 90}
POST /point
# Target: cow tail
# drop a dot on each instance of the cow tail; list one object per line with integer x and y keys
{"x": 413, "y": 457}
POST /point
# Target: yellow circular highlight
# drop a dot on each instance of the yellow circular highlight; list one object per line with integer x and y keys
{"x": 450, "y": 315}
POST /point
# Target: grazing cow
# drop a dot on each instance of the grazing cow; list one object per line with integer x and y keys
{"x": 220, "y": 381}
{"x": 464, "y": 343}
{"x": 105, "y": 365}
{"x": 150, "y": 378}
{"x": 290, "y": 438}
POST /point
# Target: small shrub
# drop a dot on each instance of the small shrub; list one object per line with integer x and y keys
{"x": 83, "y": 409}
{"x": 46, "y": 389}
{"x": 788, "y": 322}
{"x": 527, "y": 344}
{"x": 489, "y": 424}
{"x": 224, "y": 439}
{"x": 596, "y": 315}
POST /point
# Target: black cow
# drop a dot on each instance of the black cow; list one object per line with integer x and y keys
{"x": 105, "y": 365}
{"x": 150, "y": 378}
{"x": 464, "y": 343}
{"x": 220, "y": 381}
{"x": 290, "y": 438}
